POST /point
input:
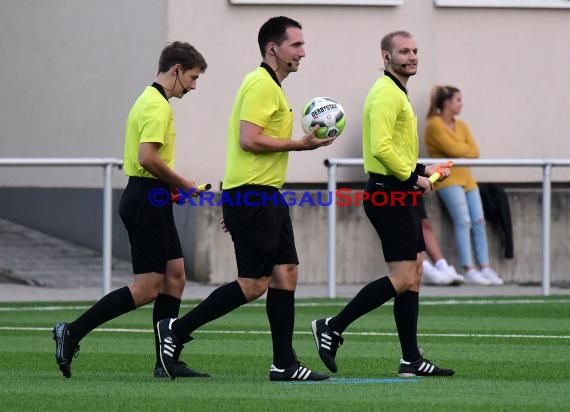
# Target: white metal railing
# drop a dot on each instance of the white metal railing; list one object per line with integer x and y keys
{"x": 332, "y": 164}
{"x": 107, "y": 164}
{"x": 545, "y": 164}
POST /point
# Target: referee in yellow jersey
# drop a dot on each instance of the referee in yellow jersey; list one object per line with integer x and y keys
{"x": 390, "y": 151}
{"x": 259, "y": 142}
{"x": 146, "y": 211}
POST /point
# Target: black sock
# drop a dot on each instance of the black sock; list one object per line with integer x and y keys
{"x": 221, "y": 301}
{"x": 280, "y": 307}
{"x": 110, "y": 306}
{"x": 370, "y": 297}
{"x": 165, "y": 306}
{"x": 406, "y": 307}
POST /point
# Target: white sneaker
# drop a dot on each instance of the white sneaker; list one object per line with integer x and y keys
{"x": 456, "y": 278}
{"x": 491, "y": 276}
{"x": 474, "y": 277}
{"x": 432, "y": 276}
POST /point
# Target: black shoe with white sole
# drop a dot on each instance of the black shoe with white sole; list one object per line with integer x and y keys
{"x": 422, "y": 367}
{"x": 295, "y": 372}
{"x": 182, "y": 370}
{"x": 327, "y": 341}
{"x": 169, "y": 343}
{"x": 65, "y": 348}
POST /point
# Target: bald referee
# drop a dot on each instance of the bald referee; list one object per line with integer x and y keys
{"x": 157, "y": 259}
{"x": 259, "y": 139}
{"x": 390, "y": 151}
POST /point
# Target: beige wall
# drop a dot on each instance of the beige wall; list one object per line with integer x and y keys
{"x": 510, "y": 64}
{"x": 71, "y": 70}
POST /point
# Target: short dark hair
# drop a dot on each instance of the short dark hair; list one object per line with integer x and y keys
{"x": 181, "y": 53}
{"x": 275, "y": 30}
{"x": 387, "y": 44}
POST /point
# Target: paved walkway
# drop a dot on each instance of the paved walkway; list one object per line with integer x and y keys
{"x": 28, "y": 257}
{"x": 23, "y": 293}
{"x": 37, "y": 267}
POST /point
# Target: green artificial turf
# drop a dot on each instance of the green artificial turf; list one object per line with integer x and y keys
{"x": 510, "y": 354}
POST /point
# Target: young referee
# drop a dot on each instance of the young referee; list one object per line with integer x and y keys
{"x": 259, "y": 139}
{"x": 157, "y": 259}
{"x": 390, "y": 151}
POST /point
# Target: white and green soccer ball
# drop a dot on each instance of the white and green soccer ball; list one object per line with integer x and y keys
{"x": 325, "y": 112}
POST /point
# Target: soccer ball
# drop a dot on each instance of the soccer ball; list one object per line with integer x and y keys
{"x": 325, "y": 112}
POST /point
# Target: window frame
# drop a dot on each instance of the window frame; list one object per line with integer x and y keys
{"x": 320, "y": 2}
{"x": 536, "y": 4}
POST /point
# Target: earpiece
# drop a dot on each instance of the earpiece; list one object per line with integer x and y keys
{"x": 403, "y": 65}
{"x": 289, "y": 64}
{"x": 184, "y": 89}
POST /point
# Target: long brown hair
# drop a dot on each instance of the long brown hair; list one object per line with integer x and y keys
{"x": 439, "y": 95}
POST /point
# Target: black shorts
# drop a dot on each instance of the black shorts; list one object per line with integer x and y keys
{"x": 397, "y": 222}
{"x": 422, "y": 207}
{"x": 258, "y": 219}
{"x": 152, "y": 232}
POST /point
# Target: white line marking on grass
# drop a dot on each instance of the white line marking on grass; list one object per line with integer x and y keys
{"x": 40, "y": 308}
{"x": 311, "y": 304}
{"x": 349, "y": 381}
{"x": 262, "y": 332}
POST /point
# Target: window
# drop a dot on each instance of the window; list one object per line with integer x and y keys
{"x": 538, "y": 4}
{"x": 323, "y": 2}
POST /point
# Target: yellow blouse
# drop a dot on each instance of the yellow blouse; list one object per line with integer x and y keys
{"x": 445, "y": 143}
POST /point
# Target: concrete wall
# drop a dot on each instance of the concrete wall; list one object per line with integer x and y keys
{"x": 359, "y": 257}
{"x": 75, "y": 215}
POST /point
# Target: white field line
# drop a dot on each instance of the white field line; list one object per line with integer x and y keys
{"x": 258, "y": 332}
{"x": 315, "y": 304}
